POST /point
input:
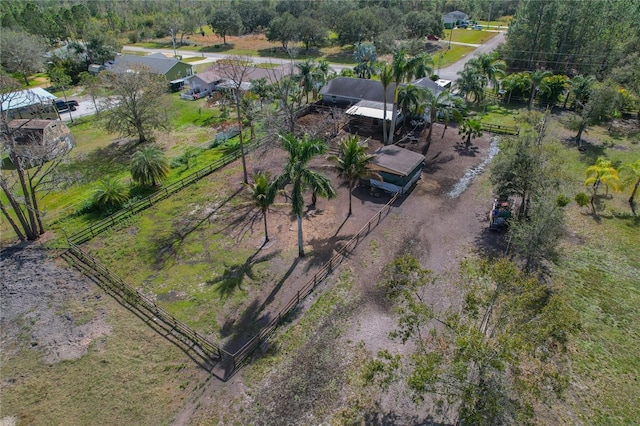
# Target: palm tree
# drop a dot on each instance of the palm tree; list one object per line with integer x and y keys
{"x": 352, "y": 164}
{"x": 491, "y": 67}
{"x": 470, "y": 129}
{"x": 604, "y": 173}
{"x": 386, "y": 78}
{"x": 263, "y": 194}
{"x": 419, "y": 66}
{"x": 470, "y": 82}
{"x": 438, "y": 105}
{"x": 400, "y": 68}
{"x": 536, "y": 78}
{"x": 297, "y": 173}
{"x": 149, "y": 166}
{"x": 580, "y": 87}
{"x": 409, "y": 98}
{"x": 306, "y": 76}
{"x": 110, "y": 194}
{"x": 518, "y": 82}
{"x": 631, "y": 173}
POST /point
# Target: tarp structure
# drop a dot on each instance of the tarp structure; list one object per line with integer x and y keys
{"x": 399, "y": 168}
{"x": 371, "y": 109}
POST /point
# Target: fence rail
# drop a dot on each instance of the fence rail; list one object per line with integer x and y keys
{"x": 139, "y": 300}
{"x": 243, "y": 353}
{"x": 91, "y": 231}
{"x": 498, "y": 129}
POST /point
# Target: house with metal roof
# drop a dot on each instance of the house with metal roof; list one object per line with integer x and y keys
{"x": 399, "y": 168}
{"x": 29, "y": 104}
{"x": 170, "y": 68}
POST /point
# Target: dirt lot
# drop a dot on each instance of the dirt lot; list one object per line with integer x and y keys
{"x": 439, "y": 228}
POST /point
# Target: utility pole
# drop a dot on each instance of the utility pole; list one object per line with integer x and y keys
{"x": 173, "y": 40}
{"x": 451, "y": 34}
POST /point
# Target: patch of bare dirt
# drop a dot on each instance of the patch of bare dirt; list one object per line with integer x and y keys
{"x": 47, "y": 307}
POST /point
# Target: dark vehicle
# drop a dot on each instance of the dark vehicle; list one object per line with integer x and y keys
{"x": 64, "y": 106}
{"x": 463, "y": 26}
{"x": 433, "y": 37}
{"x": 501, "y": 212}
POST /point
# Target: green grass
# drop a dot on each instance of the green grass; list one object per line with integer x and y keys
{"x": 446, "y": 57}
{"x": 598, "y": 274}
{"x": 108, "y": 384}
{"x": 468, "y": 36}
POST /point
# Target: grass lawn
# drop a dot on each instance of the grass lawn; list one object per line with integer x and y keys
{"x": 446, "y": 57}
{"x": 468, "y": 36}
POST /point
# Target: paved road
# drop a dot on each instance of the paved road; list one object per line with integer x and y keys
{"x": 451, "y": 72}
{"x": 86, "y": 107}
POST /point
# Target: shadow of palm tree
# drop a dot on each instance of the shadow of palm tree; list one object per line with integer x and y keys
{"x": 469, "y": 151}
{"x": 166, "y": 247}
{"x": 323, "y": 249}
{"x": 235, "y": 274}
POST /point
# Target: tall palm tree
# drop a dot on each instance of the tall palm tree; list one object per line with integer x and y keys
{"x": 437, "y": 105}
{"x": 149, "y": 166}
{"x": 419, "y": 66}
{"x": 515, "y": 82}
{"x": 409, "y": 98}
{"x": 470, "y": 82}
{"x": 386, "y": 78}
{"x": 631, "y": 174}
{"x": 352, "y": 164}
{"x": 536, "y": 78}
{"x": 306, "y": 76}
{"x": 601, "y": 173}
{"x": 263, "y": 194}
{"x": 400, "y": 68}
{"x": 491, "y": 67}
{"x": 298, "y": 174}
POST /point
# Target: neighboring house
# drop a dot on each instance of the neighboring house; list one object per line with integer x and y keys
{"x": 399, "y": 168}
{"x": 202, "y": 84}
{"x": 454, "y": 18}
{"x": 30, "y": 103}
{"x": 171, "y": 69}
{"x": 40, "y": 139}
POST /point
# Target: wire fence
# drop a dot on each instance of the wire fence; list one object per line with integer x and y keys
{"x": 97, "y": 228}
{"x": 500, "y": 129}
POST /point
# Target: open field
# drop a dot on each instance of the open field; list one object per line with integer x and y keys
{"x": 468, "y": 36}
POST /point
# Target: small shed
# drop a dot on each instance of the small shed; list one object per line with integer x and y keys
{"x": 399, "y": 168}
{"x": 40, "y": 140}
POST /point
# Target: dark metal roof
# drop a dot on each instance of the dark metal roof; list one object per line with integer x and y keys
{"x": 398, "y": 160}
{"x": 357, "y": 88}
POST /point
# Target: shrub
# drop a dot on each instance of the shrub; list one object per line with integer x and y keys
{"x": 582, "y": 199}
{"x": 110, "y": 194}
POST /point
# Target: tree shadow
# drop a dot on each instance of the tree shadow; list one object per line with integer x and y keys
{"x": 221, "y": 47}
{"x": 432, "y": 164}
{"x": 166, "y": 247}
{"x": 235, "y": 274}
{"x": 324, "y": 249}
{"x": 239, "y": 331}
{"x": 103, "y": 161}
{"x": 589, "y": 152}
{"x": 468, "y": 151}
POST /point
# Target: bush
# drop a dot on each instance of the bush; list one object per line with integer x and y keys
{"x": 582, "y": 199}
{"x": 133, "y": 37}
{"x": 110, "y": 194}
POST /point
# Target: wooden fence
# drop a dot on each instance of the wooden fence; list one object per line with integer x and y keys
{"x": 243, "y": 353}
{"x": 500, "y": 130}
{"x": 91, "y": 231}
{"x": 113, "y": 283}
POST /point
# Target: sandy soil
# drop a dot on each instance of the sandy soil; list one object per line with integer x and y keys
{"x": 44, "y": 300}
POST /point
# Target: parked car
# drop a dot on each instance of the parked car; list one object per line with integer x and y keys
{"x": 476, "y": 27}
{"x": 65, "y": 105}
{"x": 463, "y": 26}
{"x": 433, "y": 37}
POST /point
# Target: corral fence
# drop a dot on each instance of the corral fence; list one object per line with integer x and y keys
{"x": 243, "y": 353}
{"x": 91, "y": 231}
{"x": 113, "y": 284}
{"x": 499, "y": 129}
{"x": 116, "y": 285}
